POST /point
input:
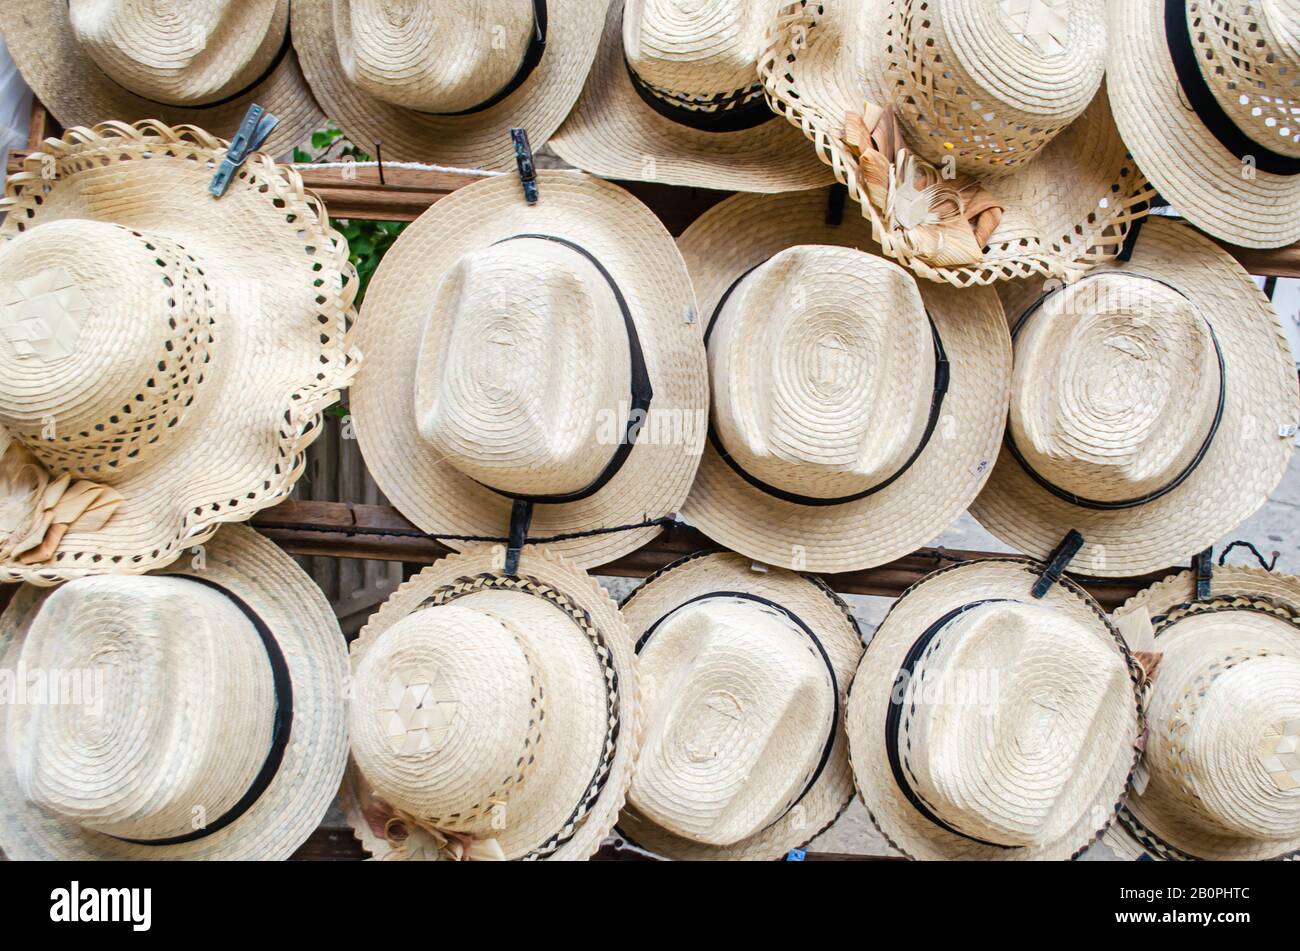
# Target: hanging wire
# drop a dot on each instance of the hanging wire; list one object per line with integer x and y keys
{"x": 1266, "y": 564}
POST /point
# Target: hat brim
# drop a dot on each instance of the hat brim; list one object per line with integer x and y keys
{"x": 830, "y": 618}
{"x": 633, "y": 246}
{"x": 1245, "y": 461}
{"x": 613, "y": 133}
{"x": 538, "y": 567}
{"x": 1144, "y": 828}
{"x": 1184, "y": 160}
{"x": 744, "y": 231}
{"x": 899, "y": 822}
{"x": 284, "y": 289}
{"x": 293, "y": 805}
{"x": 39, "y": 36}
{"x": 478, "y": 140}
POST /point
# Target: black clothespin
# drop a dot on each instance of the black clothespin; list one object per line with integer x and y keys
{"x": 527, "y": 167}
{"x": 521, "y": 516}
{"x": 1135, "y": 229}
{"x": 253, "y": 131}
{"x": 379, "y": 157}
{"x": 1203, "y": 566}
{"x": 835, "y": 204}
{"x": 1057, "y": 562}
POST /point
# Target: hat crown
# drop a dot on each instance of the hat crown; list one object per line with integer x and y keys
{"x": 182, "y": 52}
{"x": 429, "y": 56}
{"x": 1116, "y": 387}
{"x": 523, "y": 376}
{"x": 699, "y": 47}
{"x": 1001, "y": 712}
{"x": 991, "y": 83}
{"x": 822, "y": 366}
{"x": 101, "y": 352}
{"x": 175, "y": 713}
{"x": 740, "y": 707}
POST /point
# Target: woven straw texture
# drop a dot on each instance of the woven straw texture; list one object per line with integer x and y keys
{"x": 383, "y": 70}
{"x": 746, "y": 230}
{"x": 1066, "y": 210}
{"x": 123, "y": 768}
{"x": 279, "y": 289}
{"x": 698, "y": 762}
{"x": 1249, "y": 53}
{"x": 1120, "y": 412}
{"x": 547, "y": 646}
{"x": 1007, "y": 762}
{"x": 557, "y": 352}
{"x": 92, "y": 61}
{"x": 613, "y": 133}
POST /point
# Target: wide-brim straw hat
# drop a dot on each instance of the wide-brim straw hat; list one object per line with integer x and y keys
{"x": 515, "y": 310}
{"x": 1220, "y": 777}
{"x": 1233, "y": 79}
{"x": 187, "y": 725}
{"x": 493, "y": 715}
{"x": 722, "y": 249}
{"x": 1063, "y": 210}
{"x": 619, "y": 131}
{"x": 1153, "y": 422}
{"x": 185, "y": 363}
{"x": 744, "y": 677}
{"x": 131, "y": 61}
{"x": 985, "y": 723}
{"x": 433, "y": 84}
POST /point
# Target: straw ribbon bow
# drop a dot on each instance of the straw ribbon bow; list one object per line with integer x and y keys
{"x": 414, "y": 838}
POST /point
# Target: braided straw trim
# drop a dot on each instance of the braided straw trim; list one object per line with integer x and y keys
{"x": 1087, "y": 244}
{"x": 298, "y": 421}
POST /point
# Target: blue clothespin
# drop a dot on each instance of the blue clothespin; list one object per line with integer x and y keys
{"x": 796, "y": 855}
{"x": 253, "y": 131}
{"x": 527, "y": 167}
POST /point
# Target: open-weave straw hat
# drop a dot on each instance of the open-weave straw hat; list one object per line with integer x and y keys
{"x": 1206, "y": 96}
{"x": 1220, "y": 778}
{"x": 674, "y": 96}
{"x": 181, "y": 62}
{"x": 744, "y": 676}
{"x": 173, "y": 348}
{"x": 445, "y": 82}
{"x": 855, "y": 414}
{"x": 493, "y": 715}
{"x": 500, "y": 338}
{"x": 1007, "y": 93}
{"x": 1153, "y": 409}
{"x": 985, "y": 723}
{"x": 193, "y": 713}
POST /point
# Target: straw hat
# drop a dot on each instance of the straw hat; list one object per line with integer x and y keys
{"x": 1220, "y": 778}
{"x": 1015, "y": 104}
{"x": 183, "y": 365}
{"x": 986, "y": 724}
{"x": 500, "y": 338}
{"x": 493, "y": 715}
{"x": 199, "y": 62}
{"x": 195, "y": 713}
{"x": 744, "y": 676}
{"x": 445, "y": 82}
{"x": 1154, "y": 416}
{"x": 1205, "y": 94}
{"x": 674, "y": 97}
{"x": 827, "y": 386}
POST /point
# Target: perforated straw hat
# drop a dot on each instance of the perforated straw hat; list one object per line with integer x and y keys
{"x": 1205, "y": 94}
{"x": 1007, "y": 93}
{"x": 541, "y": 352}
{"x": 493, "y": 715}
{"x": 674, "y": 96}
{"x": 1153, "y": 409}
{"x": 196, "y": 713}
{"x": 986, "y": 723}
{"x": 744, "y": 676}
{"x": 1220, "y": 778}
{"x": 174, "y": 348}
{"x": 197, "y": 62}
{"x": 445, "y": 82}
{"x": 855, "y": 414}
